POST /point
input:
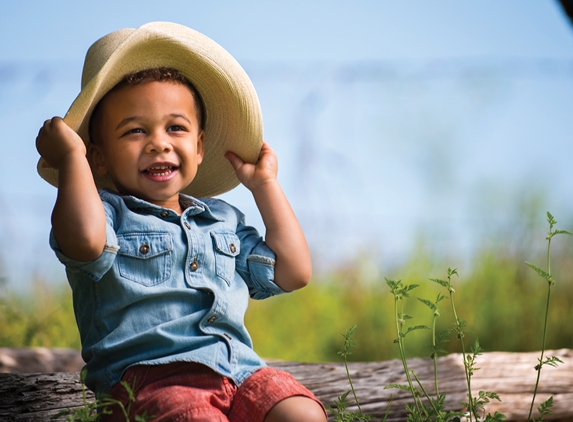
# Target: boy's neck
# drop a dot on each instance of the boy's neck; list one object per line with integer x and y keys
{"x": 173, "y": 204}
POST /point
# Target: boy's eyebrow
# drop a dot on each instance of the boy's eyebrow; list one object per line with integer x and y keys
{"x": 127, "y": 120}
{"x": 136, "y": 118}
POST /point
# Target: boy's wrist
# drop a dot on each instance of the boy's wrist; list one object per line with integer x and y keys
{"x": 68, "y": 157}
{"x": 264, "y": 186}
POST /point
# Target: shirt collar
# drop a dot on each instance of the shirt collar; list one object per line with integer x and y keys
{"x": 191, "y": 206}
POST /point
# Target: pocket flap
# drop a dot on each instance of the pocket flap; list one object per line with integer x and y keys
{"x": 144, "y": 245}
{"x": 226, "y": 243}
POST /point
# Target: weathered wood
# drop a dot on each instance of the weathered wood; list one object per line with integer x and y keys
{"x": 36, "y": 397}
{"x": 39, "y": 359}
{"x": 511, "y": 375}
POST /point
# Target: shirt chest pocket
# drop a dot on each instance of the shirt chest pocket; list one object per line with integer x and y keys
{"x": 226, "y": 246}
{"x": 145, "y": 258}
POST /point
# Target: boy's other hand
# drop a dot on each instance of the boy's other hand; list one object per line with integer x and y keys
{"x": 283, "y": 234}
{"x": 56, "y": 140}
{"x": 258, "y": 174}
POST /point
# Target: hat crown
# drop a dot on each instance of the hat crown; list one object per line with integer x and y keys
{"x": 100, "y": 51}
{"x": 229, "y": 98}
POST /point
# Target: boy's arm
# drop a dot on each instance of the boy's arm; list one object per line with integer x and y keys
{"x": 78, "y": 218}
{"x": 293, "y": 267}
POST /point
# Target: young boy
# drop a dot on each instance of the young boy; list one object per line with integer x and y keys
{"x": 160, "y": 279}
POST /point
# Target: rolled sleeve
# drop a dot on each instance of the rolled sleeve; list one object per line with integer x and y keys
{"x": 255, "y": 263}
{"x": 93, "y": 269}
{"x": 261, "y": 264}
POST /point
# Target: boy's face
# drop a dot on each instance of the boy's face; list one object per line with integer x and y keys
{"x": 148, "y": 141}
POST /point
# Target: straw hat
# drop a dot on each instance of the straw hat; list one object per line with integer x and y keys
{"x": 234, "y": 120}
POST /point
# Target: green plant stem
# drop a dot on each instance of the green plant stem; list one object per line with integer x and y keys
{"x": 435, "y": 356}
{"x": 436, "y": 411}
{"x": 402, "y": 353}
{"x": 550, "y": 284}
{"x": 110, "y": 402}
{"x": 472, "y": 409}
{"x": 352, "y": 386}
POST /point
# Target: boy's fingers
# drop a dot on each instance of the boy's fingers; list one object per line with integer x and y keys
{"x": 235, "y": 161}
{"x": 50, "y": 124}
{"x": 44, "y": 126}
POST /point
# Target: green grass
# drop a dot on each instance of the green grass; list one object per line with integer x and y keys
{"x": 498, "y": 296}
{"x": 423, "y": 406}
{"x": 41, "y": 317}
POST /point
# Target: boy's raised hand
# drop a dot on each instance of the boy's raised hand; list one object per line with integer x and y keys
{"x": 78, "y": 218}
{"x": 56, "y": 140}
{"x": 293, "y": 266}
{"x": 255, "y": 175}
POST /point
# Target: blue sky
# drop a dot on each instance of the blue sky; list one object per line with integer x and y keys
{"x": 392, "y": 119}
{"x": 300, "y": 30}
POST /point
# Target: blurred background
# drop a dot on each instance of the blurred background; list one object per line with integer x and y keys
{"x": 412, "y": 136}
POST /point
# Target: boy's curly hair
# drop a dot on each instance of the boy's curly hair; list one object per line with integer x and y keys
{"x": 160, "y": 74}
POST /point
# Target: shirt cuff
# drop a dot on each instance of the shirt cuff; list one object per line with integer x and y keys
{"x": 97, "y": 268}
{"x": 261, "y": 265}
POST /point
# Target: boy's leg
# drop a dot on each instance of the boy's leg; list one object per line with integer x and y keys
{"x": 177, "y": 391}
{"x": 296, "y": 409}
{"x": 271, "y": 395}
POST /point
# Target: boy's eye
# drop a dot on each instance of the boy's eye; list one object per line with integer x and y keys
{"x": 135, "y": 130}
{"x": 175, "y": 128}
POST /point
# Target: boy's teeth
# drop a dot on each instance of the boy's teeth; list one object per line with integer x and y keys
{"x": 159, "y": 170}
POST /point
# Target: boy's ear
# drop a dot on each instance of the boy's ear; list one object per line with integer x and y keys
{"x": 200, "y": 147}
{"x": 96, "y": 159}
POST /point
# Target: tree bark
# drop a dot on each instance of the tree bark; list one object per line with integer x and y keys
{"x": 39, "y": 396}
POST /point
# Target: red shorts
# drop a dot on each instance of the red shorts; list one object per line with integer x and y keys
{"x": 184, "y": 391}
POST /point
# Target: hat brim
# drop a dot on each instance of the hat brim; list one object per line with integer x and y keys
{"x": 233, "y": 115}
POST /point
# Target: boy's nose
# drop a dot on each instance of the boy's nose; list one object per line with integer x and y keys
{"x": 158, "y": 143}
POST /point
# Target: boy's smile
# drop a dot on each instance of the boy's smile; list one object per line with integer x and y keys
{"x": 148, "y": 141}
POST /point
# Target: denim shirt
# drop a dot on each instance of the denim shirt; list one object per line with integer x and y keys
{"x": 168, "y": 288}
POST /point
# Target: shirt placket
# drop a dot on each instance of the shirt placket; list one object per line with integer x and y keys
{"x": 193, "y": 265}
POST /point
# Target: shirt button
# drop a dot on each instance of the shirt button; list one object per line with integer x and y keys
{"x": 144, "y": 248}
{"x": 232, "y": 248}
{"x": 164, "y": 213}
{"x": 194, "y": 265}
{"x": 212, "y": 319}
{"x": 187, "y": 225}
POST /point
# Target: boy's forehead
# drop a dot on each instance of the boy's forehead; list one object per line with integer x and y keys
{"x": 141, "y": 100}
{"x": 140, "y": 86}
{"x": 159, "y": 92}
{"x": 163, "y": 79}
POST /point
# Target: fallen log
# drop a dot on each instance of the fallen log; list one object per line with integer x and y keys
{"x": 39, "y": 359}
{"x": 39, "y": 396}
{"x": 510, "y": 375}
